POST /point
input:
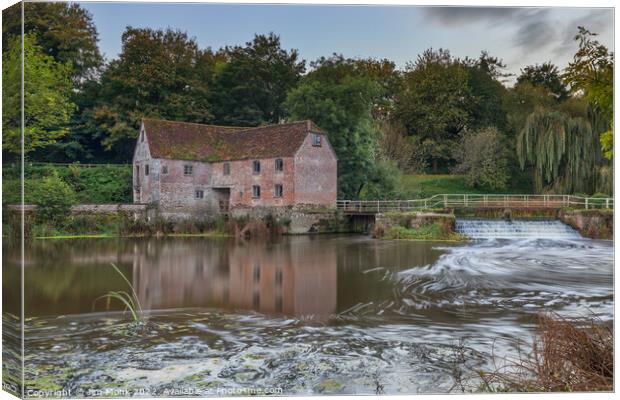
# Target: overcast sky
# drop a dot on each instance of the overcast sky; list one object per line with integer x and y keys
{"x": 519, "y": 36}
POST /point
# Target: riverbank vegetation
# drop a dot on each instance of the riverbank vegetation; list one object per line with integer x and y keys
{"x": 568, "y": 355}
{"x": 120, "y": 224}
{"x": 431, "y": 231}
{"x": 416, "y": 226}
{"x": 550, "y": 132}
{"x": 39, "y": 224}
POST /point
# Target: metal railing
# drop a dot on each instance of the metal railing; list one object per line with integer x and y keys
{"x": 476, "y": 201}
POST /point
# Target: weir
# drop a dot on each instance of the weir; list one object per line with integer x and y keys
{"x": 489, "y": 229}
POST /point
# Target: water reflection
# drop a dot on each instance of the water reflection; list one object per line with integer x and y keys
{"x": 305, "y": 276}
{"x": 279, "y": 278}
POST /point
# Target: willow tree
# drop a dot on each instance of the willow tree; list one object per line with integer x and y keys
{"x": 562, "y": 151}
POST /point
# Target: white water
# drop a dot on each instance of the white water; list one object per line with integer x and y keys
{"x": 491, "y": 229}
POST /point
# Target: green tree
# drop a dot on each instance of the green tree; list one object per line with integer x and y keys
{"x": 250, "y": 88}
{"x": 591, "y": 73}
{"x": 486, "y": 106}
{"x": 522, "y": 100}
{"x": 157, "y": 74}
{"x": 433, "y": 104}
{"x": 383, "y": 72}
{"x": 341, "y": 104}
{"x": 47, "y": 92}
{"x": 546, "y": 76}
{"x": 64, "y": 31}
{"x": 481, "y": 156}
{"x": 561, "y": 150}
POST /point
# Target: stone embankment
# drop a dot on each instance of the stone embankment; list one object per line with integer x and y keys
{"x": 594, "y": 224}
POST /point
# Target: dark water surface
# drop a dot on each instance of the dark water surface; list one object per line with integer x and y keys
{"x": 304, "y": 315}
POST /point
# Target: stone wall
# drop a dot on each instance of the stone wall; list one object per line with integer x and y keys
{"x": 594, "y": 224}
{"x": 143, "y": 189}
{"x": 242, "y": 178}
{"x": 297, "y": 219}
{"x": 414, "y": 220}
{"x": 316, "y": 172}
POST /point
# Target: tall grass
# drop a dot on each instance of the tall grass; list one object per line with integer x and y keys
{"x": 568, "y": 355}
{"x": 130, "y": 301}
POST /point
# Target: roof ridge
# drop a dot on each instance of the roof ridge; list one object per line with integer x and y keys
{"x": 196, "y": 123}
{"x": 308, "y": 122}
{"x": 302, "y": 121}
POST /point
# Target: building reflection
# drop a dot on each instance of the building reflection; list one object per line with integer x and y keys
{"x": 275, "y": 278}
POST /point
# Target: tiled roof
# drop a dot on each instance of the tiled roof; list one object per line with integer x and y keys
{"x": 209, "y": 143}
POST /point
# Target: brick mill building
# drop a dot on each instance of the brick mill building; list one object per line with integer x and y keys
{"x": 188, "y": 169}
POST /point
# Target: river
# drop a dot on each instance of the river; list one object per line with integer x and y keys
{"x": 299, "y": 315}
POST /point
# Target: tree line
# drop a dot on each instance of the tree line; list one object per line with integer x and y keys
{"x": 440, "y": 113}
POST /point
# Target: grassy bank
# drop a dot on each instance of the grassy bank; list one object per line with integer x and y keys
{"x": 422, "y": 186}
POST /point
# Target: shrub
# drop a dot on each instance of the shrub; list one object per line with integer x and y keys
{"x": 382, "y": 182}
{"x": 95, "y": 184}
{"x": 482, "y": 158}
{"x": 53, "y": 198}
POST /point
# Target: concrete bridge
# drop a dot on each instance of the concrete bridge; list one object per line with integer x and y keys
{"x": 442, "y": 201}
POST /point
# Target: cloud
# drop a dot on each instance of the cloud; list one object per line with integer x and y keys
{"x": 598, "y": 20}
{"x": 532, "y": 29}
{"x": 457, "y": 16}
{"x": 535, "y": 31}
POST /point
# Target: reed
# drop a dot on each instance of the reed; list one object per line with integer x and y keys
{"x": 568, "y": 355}
{"x": 130, "y": 301}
